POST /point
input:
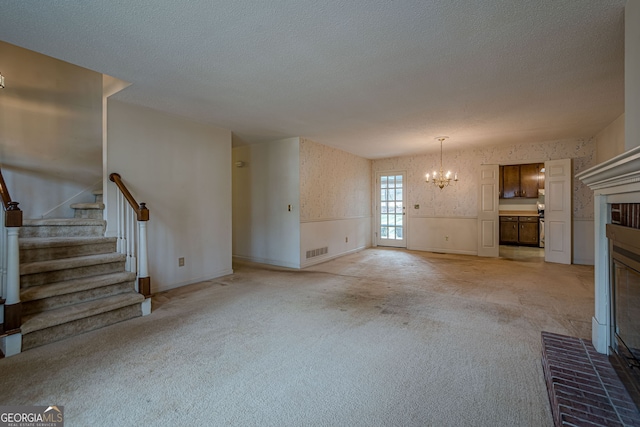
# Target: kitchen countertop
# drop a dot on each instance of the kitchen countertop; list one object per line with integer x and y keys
{"x": 518, "y": 213}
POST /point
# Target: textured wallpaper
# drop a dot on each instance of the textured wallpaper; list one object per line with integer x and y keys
{"x": 334, "y": 184}
{"x": 461, "y": 198}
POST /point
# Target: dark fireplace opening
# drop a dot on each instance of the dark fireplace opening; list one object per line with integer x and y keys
{"x": 624, "y": 254}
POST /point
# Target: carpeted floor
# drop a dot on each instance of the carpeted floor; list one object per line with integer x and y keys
{"x": 383, "y": 337}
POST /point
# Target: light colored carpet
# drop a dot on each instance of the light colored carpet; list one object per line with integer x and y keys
{"x": 379, "y": 338}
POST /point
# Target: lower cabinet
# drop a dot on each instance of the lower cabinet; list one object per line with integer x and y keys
{"x": 521, "y": 230}
{"x": 508, "y": 230}
{"x": 528, "y": 230}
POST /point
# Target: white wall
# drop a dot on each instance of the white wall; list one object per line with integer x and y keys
{"x": 50, "y": 131}
{"x": 340, "y": 236}
{"x": 452, "y": 210}
{"x": 264, "y": 229}
{"x": 335, "y": 200}
{"x": 632, "y": 74}
{"x": 450, "y": 235}
{"x": 182, "y": 170}
{"x": 610, "y": 140}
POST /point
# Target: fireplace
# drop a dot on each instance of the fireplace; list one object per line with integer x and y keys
{"x": 624, "y": 266}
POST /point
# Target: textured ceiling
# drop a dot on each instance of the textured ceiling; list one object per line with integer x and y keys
{"x": 377, "y": 78}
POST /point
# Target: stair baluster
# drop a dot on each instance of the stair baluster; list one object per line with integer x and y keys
{"x": 132, "y": 238}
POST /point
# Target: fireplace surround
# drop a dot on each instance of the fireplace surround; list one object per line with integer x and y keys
{"x": 615, "y": 181}
{"x": 616, "y": 187}
{"x": 624, "y": 264}
{"x": 615, "y": 326}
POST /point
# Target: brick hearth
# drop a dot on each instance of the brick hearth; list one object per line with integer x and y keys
{"x": 583, "y": 387}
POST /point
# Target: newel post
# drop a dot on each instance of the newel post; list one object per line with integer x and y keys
{"x": 144, "y": 281}
{"x": 12, "y": 342}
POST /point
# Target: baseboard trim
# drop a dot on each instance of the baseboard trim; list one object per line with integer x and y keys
{"x": 321, "y": 259}
{"x": 445, "y": 251}
{"x": 267, "y": 261}
{"x": 216, "y": 275}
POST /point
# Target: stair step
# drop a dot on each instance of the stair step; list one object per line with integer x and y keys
{"x": 34, "y": 249}
{"x": 57, "y": 270}
{"x": 62, "y": 227}
{"x": 49, "y": 318}
{"x": 53, "y": 325}
{"x": 88, "y": 210}
{"x": 95, "y": 205}
{"x": 46, "y": 297}
{"x": 98, "y": 195}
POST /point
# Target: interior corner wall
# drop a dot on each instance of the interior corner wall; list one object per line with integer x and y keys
{"x": 182, "y": 171}
{"x": 632, "y": 74}
{"x": 335, "y": 202}
{"x": 610, "y": 140}
{"x": 266, "y": 202}
{"x": 50, "y": 132}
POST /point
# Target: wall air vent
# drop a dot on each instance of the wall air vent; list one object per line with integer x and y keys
{"x": 317, "y": 252}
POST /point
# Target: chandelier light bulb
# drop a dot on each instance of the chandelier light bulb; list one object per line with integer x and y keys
{"x": 441, "y": 179}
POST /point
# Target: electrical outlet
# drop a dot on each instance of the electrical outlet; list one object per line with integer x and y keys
{"x": 181, "y": 262}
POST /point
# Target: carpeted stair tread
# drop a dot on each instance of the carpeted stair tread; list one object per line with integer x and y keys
{"x": 75, "y": 285}
{"x": 97, "y": 192}
{"x": 53, "y": 242}
{"x": 62, "y": 221}
{"x": 50, "y": 318}
{"x": 68, "y": 263}
{"x": 83, "y": 225}
{"x": 95, "y": 205}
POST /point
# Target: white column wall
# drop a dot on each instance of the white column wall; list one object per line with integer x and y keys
{"x": 632, "y": 74}
{"x": 610, "y": 140}
{"x": 267, "y": 183}
{"x": 182, "y": 171}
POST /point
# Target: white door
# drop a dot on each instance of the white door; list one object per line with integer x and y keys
{"x": 391, "y": 209}
{"x": 488, "y": 212}
{"x": 558, "y": 177}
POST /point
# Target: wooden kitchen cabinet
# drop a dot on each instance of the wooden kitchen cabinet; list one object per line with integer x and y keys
{"x": 508, "y": 230}
{"x": 529, "y": 182}
{"x": 510, "y": 181}
{"x": 528, "y": 228}
{"x": 522, "y": 230}
{"x": 521, "y": 180}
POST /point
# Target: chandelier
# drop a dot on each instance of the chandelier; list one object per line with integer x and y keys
{"x": 442, "y": 179}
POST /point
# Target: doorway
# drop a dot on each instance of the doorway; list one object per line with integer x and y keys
{"x": 391, "y": 227}
{"x": 549, "y": 217}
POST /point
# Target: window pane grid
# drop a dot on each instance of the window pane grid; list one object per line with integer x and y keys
{"x": 391, "y": 207}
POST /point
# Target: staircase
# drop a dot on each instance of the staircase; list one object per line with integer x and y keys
{"x": 72, "y": 280}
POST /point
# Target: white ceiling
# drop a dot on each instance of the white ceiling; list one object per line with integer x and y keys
{"x": 377, "y": 78}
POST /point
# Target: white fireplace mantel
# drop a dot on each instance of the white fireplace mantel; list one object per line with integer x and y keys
{"x": 615, "y": 181}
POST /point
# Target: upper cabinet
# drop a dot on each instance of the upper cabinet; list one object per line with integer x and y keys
{"x": 511, "y": 182}
{"x": 521, "y": 180}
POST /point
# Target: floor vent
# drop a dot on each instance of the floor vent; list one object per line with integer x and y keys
{"x": 317, "y": 252}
